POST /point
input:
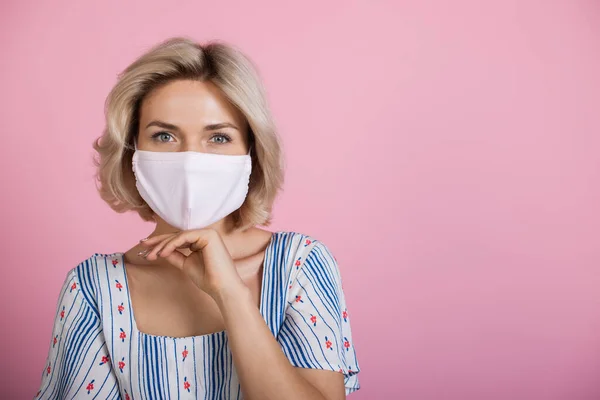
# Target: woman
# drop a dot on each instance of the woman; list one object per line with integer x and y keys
{"x": 208, "y": 305}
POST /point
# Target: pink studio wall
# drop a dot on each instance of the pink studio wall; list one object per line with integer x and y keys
{"x": 447, "y": 152}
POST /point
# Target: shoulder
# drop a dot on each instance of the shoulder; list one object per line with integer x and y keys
{"x": 296, "y": 244}
{"x": 303, "y": 241}
{"x": 92, "y": 274}
{"x": 300, "y": 251}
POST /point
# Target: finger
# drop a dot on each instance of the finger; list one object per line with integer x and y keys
{"x": 153, "y": 254}
{"x": 183, "y": 240}
{"x": 151, "y": 241}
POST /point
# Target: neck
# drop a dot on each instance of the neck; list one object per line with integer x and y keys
{"x": 225, "y": 227}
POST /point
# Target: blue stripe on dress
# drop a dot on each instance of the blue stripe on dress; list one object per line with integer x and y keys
{"x": 205, "y": 368}
{"x": 90, "y": 367}
{"x": 323, "y": 319}
{"x": 83, "y": 380}
{"x": 92, "y": 321}
{"x": 331, "y": 275}
{"x": 214, "y": 377}
{"x": 229, "y": 375}
{"x": 320, "y": 283}
{"x": 59, "y": 304}
{"x": 156, "y": 354}
{"x": 270, "y": 289}
{"x": 103, "y": 383}
{"x": 221, "y": 371}
{"x": 292, "y": 347}
{"x": 150, "y": 362}
{"x": 176, "y": 368}
{"x": 195, "y": 372}
{"x": 158, "y": 367}
{"x": 88, "y": 284}
{"x": 112, "y": 319}
{"x": 130, "y": 308}
{"x": 317, "y": 339}
{"x": 306, "y": 349}
{"x": 100, "y": 288}
{"x": 140, "y": 368}
{"x": 74, "y": 333}
{"x": 78, "y": 356}
{"x": 167, "y": 367}
{"x": 323, "y": 296}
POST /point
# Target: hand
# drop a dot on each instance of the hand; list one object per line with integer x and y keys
{"x": 209, "y": 265}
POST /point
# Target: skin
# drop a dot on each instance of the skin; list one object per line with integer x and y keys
{"x": 195, "y": 282}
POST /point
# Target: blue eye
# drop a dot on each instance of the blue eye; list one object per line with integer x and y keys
{"x": 220, "y": 138}
{"x": 162, "y": 137}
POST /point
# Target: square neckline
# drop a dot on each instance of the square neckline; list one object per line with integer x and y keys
{"x": 134, "y": 326}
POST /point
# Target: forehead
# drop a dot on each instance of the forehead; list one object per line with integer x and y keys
{"x": 189, "y": 102}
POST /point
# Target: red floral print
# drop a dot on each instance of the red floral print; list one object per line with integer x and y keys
{"x": 346, "y": 344}
{"x": 118, "y": 285}
{"x": 184, "y": 353}
{"x": 122, "y": 364}
{"x": 299, "y": 299}
{"x": 115, "y": 262}
{"x": 90, "y": 386}
{"x": 313, "y": 319}
{"x": 186, "y": 384}
{"x": 48, "y": 370}
{"x": 104, "y": 360}
{"x": 73, "y": 286}
{"x": 122, "y": 335}
{"x": 62, "y": 313}
{"x": 328, "y": 344}
{"x": 120, "y": 308}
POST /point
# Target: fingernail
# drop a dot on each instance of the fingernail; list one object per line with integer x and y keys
{"x": 144, "y": 239}
{"x": 143, "y": 253}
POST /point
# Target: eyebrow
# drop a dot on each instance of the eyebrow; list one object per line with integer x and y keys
{"x": 211, "y": 127}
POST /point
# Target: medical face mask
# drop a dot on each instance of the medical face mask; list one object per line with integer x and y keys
{"x": 191, "y": 190}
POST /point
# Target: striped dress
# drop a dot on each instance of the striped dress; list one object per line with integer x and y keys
{"x": 96, "y": 351}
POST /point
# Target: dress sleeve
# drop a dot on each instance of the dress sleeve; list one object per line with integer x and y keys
{"x": 316, "y": 330}
{"x": 77, "y": 363}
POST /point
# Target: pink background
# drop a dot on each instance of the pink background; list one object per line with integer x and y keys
{"x": 447, "y": 152}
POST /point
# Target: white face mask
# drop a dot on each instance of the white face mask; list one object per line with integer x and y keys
{"x": 191, "y": 190}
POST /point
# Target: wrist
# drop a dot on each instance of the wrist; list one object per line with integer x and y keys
{"x": 232, "y": 294}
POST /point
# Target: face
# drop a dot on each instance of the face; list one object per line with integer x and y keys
{"x": 188, "y": 115}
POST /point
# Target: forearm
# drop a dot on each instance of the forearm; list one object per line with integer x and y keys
{"x": 262, "y": 367}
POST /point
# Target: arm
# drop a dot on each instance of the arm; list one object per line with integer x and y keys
{"x": 74, "y": 364}
{"x": 315, "y": 337}
{"x": 263, "y": 363}
{"x": 264, "y": 370}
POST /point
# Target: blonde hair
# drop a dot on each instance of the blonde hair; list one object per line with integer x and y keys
{"x": 181, "y": 58}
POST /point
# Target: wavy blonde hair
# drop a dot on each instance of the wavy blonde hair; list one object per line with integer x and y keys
{"x": 181, "y": 58}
